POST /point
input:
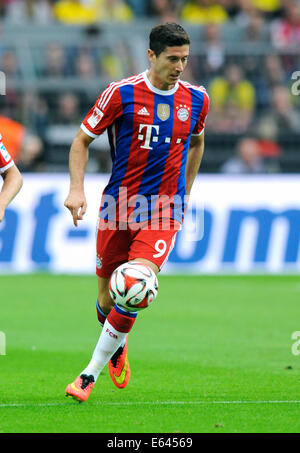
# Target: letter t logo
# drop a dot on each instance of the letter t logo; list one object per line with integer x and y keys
{"x": 147, "y": 139}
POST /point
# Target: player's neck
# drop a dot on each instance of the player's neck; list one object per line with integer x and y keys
{"x": 156, "y": 81}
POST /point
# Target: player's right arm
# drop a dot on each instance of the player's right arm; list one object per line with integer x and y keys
{"x": 78, "y": 157}
{"x": 12, "y": 179}
{"x": 107, "y": 108}
{"x": 12, "y": 183}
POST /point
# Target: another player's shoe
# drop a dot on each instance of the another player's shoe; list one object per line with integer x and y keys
{"x": 119, "y": 368}
{"x": 81, "y": 388}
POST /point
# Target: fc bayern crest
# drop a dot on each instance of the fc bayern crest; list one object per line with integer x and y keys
{"x": 183, "y": 114}
{"x": 98, "y": 262}
{"x": 163, "y": 111}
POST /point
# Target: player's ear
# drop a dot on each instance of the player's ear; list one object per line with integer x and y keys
{"x": 151, "y": 56}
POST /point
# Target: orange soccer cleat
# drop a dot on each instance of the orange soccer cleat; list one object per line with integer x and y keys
{"x": 81, "y": 388}
{"x": 118, "y": 367}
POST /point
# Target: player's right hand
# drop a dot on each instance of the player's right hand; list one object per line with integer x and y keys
{"x": 76, "y": 203}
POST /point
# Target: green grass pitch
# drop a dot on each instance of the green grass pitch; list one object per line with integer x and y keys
{"x": 213, "y": 354}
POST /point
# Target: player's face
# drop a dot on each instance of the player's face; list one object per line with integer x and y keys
{"x": 167, "y": 67}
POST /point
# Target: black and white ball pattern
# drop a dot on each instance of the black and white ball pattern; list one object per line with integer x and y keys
{"x": 133, "y": 286}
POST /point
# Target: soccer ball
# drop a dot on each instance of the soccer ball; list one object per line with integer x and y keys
{"x": 133, "y": 286}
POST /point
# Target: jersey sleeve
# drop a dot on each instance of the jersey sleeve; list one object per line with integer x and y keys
{"x": 5, "y": 158}
{"x": 106, "y": 110}
{"x": 200, "y": 125}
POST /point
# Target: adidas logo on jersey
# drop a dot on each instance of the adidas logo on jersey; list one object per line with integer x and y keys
{"x": 143, "y": 111}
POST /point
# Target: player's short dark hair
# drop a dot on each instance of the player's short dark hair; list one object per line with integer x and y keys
{"x": 167, "y": 35}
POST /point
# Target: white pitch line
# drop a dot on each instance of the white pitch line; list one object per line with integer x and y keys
{"x": 149, "y": 403}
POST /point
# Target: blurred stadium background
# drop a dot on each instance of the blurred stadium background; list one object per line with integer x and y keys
{"x": 57, "y": 56}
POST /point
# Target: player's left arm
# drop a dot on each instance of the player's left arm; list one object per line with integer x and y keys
{"x": 12, "y": 183}
{"x": 194, "y": 159}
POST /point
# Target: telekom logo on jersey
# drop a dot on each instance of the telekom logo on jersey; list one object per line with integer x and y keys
{"x": 148, "y": 134}
{"x": 148, "y": 131}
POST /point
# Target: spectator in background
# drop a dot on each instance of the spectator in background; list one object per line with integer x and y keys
{"x": 254, "y": 29}
{"x": 281, "y": 114}
{"x": 164, "y": 10}
{"x": 270, "y": 74}
{"x": 68, "y": 111}
{"x": 274, "y": 70}
{"x": 249, "y": 9}
{"x": 36, "y": 113}
{"x": 231, "y": 7}
{"x": 270, "y": 8}
{"x": 246, "y": 160}
{"x": 2, "y": 10}
{"x": 9, "y": 65}
{"x": 285, "y": 33}
{"x": 214, "y": 50}
{"x": 234, "y": 102}
{"x": 111, "y": 67}
{"x": 31, "y": 153}
{"x": 85, "y": 66}
{"x": 25, "y": 147}
{"x": 22, "y": 11}
{"x": 55, "y": 62}
{"x": 244, "y": 11}
{"x": 76, "y": 12}
{"x": 114, "y": 11}
{"x": 85, "y": 69}
{"x": 253, "y": 33}
{"x": 10, "y": 103}
{"x": 203, "y": 12}
{"x": 138, "y": 7}
{"x": 268, "y": 146}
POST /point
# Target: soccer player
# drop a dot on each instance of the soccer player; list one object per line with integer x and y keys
{"x": 155, "y": 124}
{"x": 12, "y": 179}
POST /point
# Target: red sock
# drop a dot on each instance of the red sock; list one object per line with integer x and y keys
{"x": 121, "y": 320}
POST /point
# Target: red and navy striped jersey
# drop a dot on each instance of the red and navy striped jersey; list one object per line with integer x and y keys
{"x": 5, "y": 159}
{"x": 149, "y": 132}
